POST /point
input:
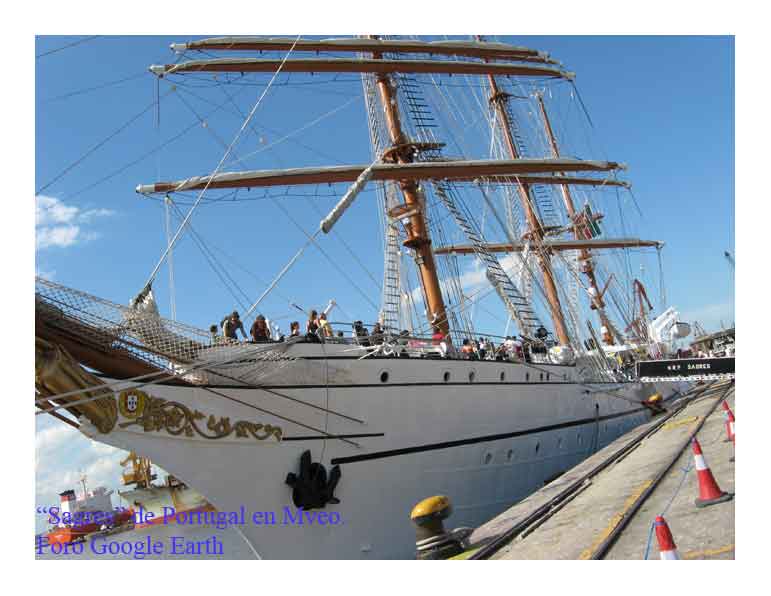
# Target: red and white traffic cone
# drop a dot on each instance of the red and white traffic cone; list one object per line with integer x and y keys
{"x": 709, "y": 491}
{"x": 729, "y": 423}
{"x": 667, "y": 546}
{"x": 733, "y": 439}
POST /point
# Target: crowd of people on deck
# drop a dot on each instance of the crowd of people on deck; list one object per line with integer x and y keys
{"x": 319, "y": 329}
{"x": 484, "y": 349}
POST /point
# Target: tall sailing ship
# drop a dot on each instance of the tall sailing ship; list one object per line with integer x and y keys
{"x": 467, "y": 163}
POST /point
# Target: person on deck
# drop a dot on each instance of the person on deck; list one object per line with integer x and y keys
{"x": 312, "y": 327}
{"x": 360, "y": 333}
{"x": 231, "y": 324}
{"x": 482, "y": 348}
{"x": 294, "y": 329}
{"x": 467, "y": 349}
{"x": 260, "y": 332}
{"x": 377, "y": 334}
{"x": 440, "y": 339}
{"x": 509, "y": 348}
{"x": 325, "y": 329}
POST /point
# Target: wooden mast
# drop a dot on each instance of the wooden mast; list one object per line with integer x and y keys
{"x": 536, "y": 232}
{"x": 417, "y": 230}
{"x": 598, "y": 303}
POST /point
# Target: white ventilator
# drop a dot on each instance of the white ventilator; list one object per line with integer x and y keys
{"x": 329, "y": 307}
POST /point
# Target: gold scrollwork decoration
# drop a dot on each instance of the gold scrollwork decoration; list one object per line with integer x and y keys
{"x": 176, "y": 419}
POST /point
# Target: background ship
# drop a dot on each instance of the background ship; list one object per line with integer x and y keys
{"x": 98, "y": 500}
{"x": 466, "y": 162}
{"x": 157, "y": 498}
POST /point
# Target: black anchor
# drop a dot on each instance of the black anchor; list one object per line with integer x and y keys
{"x": 311, "y": 489}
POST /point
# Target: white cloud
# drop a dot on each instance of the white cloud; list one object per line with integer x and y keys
{"x": 62, "y": 456}
{"x": 61, "y": 236}
{"x": 49, "y": 274}
{"x": 51, "y": 211}
{"x": 88, "y": 216}
{"x": 53, "y": 437}
{"x": 60, "y": 225}
{"x": 474, "y": 278}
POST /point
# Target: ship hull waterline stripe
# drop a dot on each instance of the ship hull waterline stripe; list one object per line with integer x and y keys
{"x": 395, "y": 385}
{"x": 322, "y": 437}
{"x": 483, "y": 439}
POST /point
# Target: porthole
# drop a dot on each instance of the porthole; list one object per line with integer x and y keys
{"x": 509, "y": 455}
{"x": 471, "y": 376}
{"x": 488, "y": 458}
{"x": 503, "y": 376}
{"x": 384, "y": 376}
{"x": 447, "y": 376}
{"x": 540, "y": 376}
{"x": 559, "y": 443}
{"x": 548, "y": 376}
{"x": 537, "y": 447}
{"x": 527, "y": 376}
{"x": 580, "y": 439}
{"x": 564, "y": 377}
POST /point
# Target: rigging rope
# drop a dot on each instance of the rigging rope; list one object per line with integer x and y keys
{"x": 301, "y": 129}
{"x": 214, "y": 263}
{"x": 240, "y": 160}
{"x": 85, "y": 90}
{"x": 282, "y": 272}
{"x": 112, "y": 135}
{"x": 144, "y": 156}
{"x": 312, "y": 238}
{"x": 217, "y": 169}
{"x": 69, "y": 45}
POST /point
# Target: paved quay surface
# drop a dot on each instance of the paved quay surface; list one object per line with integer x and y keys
{"x": 581, "y": 527}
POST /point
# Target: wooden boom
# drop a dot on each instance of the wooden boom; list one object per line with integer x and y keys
{"x": 470, "y": 49}
{"x": 555, "y": 245}
{"x": 516, "y": 170}
{"x": 359, "y": 65}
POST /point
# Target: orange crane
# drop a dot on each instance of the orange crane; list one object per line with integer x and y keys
{"x": 640, "y": 324}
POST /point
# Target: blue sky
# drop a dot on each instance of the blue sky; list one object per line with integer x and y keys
{"x": 663, "y": 105}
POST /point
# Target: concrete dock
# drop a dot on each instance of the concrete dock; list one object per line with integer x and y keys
{"x": 610, "y": 515}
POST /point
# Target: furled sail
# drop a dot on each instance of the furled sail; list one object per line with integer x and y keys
{"x": 555, "y": 245}
{"x": 515, "y": 169}
{"x": 359, "y": 65}
{"x": 470, "y": 49}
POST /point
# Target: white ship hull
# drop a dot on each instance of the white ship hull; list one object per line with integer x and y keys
{"x": 485, "y": 442}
